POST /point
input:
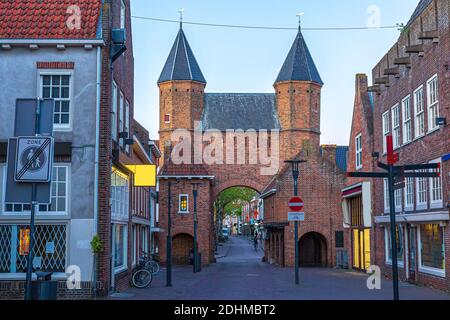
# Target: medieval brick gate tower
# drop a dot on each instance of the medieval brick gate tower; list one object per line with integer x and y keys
{"x": 221, "y": 140}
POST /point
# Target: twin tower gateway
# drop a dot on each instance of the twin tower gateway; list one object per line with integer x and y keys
{"x": 244, "y": 140}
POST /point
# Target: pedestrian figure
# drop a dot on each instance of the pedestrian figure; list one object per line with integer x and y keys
{"x": 255, "y": 241}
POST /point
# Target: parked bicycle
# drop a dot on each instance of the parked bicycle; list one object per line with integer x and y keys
{"x": 152, "y": 264}
{"x": 142, "y": 276}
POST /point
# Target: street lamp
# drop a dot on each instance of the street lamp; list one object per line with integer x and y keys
{"x": 295, "y": 174}
{"x": 169, "y": 236}
{"x": 195, "y": 192}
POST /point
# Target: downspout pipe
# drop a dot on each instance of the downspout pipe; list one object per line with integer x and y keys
{"x": 97, "y": 138}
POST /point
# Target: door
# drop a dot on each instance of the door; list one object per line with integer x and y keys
{"x": 361, "y": 249}
{"x": 412, "y": 243}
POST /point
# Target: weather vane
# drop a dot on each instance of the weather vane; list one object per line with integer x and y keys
{"x": 299, "y": 15}
{"x": 181, "y": 16}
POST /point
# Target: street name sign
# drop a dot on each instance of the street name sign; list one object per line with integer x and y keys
{"x": 296, "y": 216}
{"x": 34, "y": 159}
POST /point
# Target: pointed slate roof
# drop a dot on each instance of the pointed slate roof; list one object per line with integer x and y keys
{"x": 299, "y": 64}
{"x": 181, "y": 63}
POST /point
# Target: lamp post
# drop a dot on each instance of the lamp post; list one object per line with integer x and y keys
{"x": 195, "y": 192}
{"x": 169, "y": 237}
{"x": 295, "y": 174}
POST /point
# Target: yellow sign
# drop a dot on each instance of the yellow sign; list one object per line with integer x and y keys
{"x": 144, "y": 174}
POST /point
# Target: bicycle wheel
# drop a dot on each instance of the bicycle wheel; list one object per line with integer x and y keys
{"x": 142, "y": 278}
{"x": 152, "y": 266}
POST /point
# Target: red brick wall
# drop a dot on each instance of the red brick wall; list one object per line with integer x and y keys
{"x": 436, "y": 60}
{"x": 122, "y": 72}
{"x": 319, "y": 187}
{"x": 184, "y": 224}
{"x": 362, "y": 123}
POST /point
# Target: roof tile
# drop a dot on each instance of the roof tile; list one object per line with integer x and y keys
{"x": 46, "y": 19}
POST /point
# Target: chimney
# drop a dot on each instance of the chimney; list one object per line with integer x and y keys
{"x": 362, "y": 84}
{"x": 167, "y": 151}
{"x": 329, "y": 152}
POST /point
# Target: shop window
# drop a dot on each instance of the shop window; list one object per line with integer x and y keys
{"x": 431, "y": 249}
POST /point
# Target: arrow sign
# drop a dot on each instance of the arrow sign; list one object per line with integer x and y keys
{"x": 296, "y": 204}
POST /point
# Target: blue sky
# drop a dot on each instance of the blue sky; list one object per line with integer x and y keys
{"x": 242, "y": 60}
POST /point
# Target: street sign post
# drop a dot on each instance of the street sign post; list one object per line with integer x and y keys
{"x": 30, "y": 161}
{"x": 396, "y": 176}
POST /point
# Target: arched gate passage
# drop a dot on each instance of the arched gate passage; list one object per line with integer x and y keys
{"x": 313, "y": 250}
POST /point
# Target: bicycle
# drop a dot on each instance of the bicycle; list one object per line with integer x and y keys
{"x": 152, "y": 264}
{"x": 142, "y": 276}
{"x": 255, "y": 245}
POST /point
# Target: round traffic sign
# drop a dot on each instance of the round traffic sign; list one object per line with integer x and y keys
{"x": 296, "y": 204}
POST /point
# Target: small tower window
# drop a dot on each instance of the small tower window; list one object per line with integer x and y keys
{"x": 167, "y": 118}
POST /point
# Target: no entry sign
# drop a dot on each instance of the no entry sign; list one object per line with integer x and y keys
{"x": 296, "y": 204}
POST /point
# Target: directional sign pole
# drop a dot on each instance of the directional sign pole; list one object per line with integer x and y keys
{"x": 295, "y": 174}
{"x": 33, "y": 209}
{"x": 396, "y": 173}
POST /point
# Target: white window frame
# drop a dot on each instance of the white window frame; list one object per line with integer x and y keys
{"x": 358, "y": 152}
{"x": 432, "y": 102}
{"x": 395, "y": 118}
{"x": 387, "y": 243}
{"x": 121, "y": 111}
{"x": 421, "y": 205}
{"x": 58, "y": 72}
{"x": 409, "y": 182}
{"x": 179, "y": 203}
{"x": 127, "y": 123}
{"x": 167, "y": 115}
{"x": 440, "y": 202}
{"x": 398, "y": 200}
{"x": 407, "y": 134}
{"x": 386, "y": 195}
{"x": 117, "y": 214}
{"x": 386, "y": 129}
{"x": 425, "y": 269}
{"x": 124, "y": 267}
{"x": 123, "y": 15}
{"x": 419, "y": 114}
{"x": 134, "y": 247}
{"x": 114, "y": 111}
{"x": 62, "y": 214}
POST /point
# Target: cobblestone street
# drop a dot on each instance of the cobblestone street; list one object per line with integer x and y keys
{"x": 239, "y": 274}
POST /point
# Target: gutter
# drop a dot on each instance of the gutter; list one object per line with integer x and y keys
{"x": 268, "y": 193}
{"x": 50, "y": 42}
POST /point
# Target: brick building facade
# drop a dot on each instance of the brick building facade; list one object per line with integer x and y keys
{"x": 69, "y": 57}
{"x": 411, "y": 90}
{"x": 286, "y": 122}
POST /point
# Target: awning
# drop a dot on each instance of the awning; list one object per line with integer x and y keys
{"x": 415, "y": 217}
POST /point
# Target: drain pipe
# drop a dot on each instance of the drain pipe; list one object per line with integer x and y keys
{"x": 97, "y": 138}
{"x": 96, "y": 162}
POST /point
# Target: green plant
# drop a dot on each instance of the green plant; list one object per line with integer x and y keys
{"x": 96, "y": 244}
